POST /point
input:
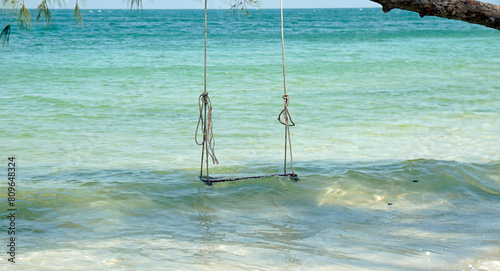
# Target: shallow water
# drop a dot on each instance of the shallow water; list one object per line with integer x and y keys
{"x": 396, "y": 143}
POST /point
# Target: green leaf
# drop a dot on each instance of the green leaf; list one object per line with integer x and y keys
{"x": 5, "y": 35}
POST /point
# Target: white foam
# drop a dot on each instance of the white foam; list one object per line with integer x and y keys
{"x": 490, "y": 266}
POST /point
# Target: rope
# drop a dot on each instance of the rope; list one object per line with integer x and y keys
{"x": 205, "y": 55}
{"x": 205, "y": 118}
{"x": 205, "y": 108}
{"x": 205, "y": 121}
{"x": 283, "y": 48}
{"x": 285, "y": 117}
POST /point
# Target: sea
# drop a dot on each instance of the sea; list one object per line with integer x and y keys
{"x": 396, "y": 142}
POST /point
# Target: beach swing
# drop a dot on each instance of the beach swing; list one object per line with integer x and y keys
{"x": 206, "y": 125}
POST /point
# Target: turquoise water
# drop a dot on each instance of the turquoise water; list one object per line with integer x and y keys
{"x": 101, "y": 121}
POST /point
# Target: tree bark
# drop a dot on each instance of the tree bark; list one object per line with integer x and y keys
{"x": 471, "y": 11}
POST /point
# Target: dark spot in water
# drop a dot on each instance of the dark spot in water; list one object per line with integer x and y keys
{"x": 389, "y": 203}
{"x": 415, "y": 181}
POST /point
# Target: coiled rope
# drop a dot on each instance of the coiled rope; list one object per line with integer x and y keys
{"x": 285, "y": 117}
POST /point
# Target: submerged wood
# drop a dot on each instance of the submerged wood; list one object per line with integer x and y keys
{"x": 470, "y": 11}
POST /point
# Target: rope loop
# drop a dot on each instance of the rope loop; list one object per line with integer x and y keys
{"x": 285, "y": 117}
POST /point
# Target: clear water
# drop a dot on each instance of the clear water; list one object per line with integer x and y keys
{"x": 101, "y": 121}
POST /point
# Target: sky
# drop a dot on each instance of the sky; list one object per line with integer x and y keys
{"x": 219, "y": 4}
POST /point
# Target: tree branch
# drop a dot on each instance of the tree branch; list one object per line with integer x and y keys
{"x": 470, "y": 11}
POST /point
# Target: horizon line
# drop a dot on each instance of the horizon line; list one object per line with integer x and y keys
{"x": 202, "y": 8}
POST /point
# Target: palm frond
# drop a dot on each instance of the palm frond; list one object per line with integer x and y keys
{"x": 5, "y": 35}
{"x": 78, "y": 15}
{"x": 24, "y": 18}
{"x": 43, "y": 12}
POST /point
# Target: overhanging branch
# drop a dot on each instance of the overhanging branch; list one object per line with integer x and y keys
{"x": 470, "y": 11}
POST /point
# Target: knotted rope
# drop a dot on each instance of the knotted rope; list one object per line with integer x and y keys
{"x": 285, "y": 117}
{"x": 205, "y": 122}
{"x": 205, "y": 118}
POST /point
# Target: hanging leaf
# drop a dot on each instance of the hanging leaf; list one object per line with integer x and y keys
{"x": 78, "y": 15}
{"x": 10, "y": 5}
{"x": 136, "y": 3}
{"x": 244, "y": 4}
{"x": 5, "y": 35}
{"x": 43, "y": 12}
{"x": 24, "y": 18}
